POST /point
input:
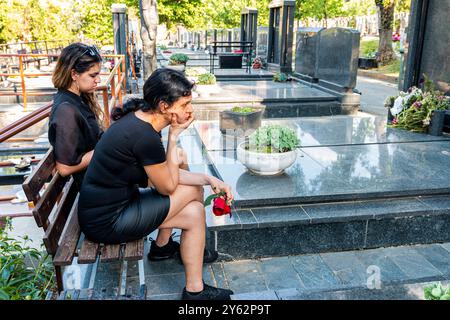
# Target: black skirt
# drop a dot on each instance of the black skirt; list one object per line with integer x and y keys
{"x": 143, "y": 214}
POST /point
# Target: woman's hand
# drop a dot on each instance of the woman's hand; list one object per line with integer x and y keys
{"x": 177, "y": 128}
{"x": 218, "y": 186}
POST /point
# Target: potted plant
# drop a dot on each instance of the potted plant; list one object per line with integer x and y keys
{"x": 240, "y": 120}
{"x": 269, "y": 150}
{"x": 178, "y": 61}
{"x": 206, "y": 85}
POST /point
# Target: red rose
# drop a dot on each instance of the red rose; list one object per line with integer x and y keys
{"x": 220, "y": 207}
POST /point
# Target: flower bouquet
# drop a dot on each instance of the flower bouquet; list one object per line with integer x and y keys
{"x": 413, "y": 110}
{"x": 257, "y": 63}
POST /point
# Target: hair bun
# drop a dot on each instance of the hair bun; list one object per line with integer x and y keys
{"x": 132, "y": 104}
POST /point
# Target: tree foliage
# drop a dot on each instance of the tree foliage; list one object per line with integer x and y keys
{"x": 319, "y": 9}
{"x": 26, "y": 20}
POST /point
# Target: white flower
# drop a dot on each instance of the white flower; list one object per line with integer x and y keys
{"x": 398, "y": 106}
{"x": 426, "y": 122}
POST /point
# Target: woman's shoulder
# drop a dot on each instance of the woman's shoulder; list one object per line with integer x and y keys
{"x": 65, "y": 109}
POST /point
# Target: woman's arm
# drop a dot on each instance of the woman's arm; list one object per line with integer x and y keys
{"x": 65, "y": 170}
{"x": 165, "y": 176}
{"x": 201, "y": 179}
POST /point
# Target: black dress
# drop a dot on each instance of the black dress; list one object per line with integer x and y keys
{"x": 73, "y": 130}
{"x": 113, "y": 206}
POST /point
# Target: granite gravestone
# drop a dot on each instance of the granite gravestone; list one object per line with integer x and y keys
{"x": 337, "y": 58}
{"x": 262, "y": 39}
{"x": 120, "y": 26}
{"x": 306, "y": 52}
{"x": 427, "y": 46}
{"x": 281, "y": 35}
{"x": 249, "y": 25}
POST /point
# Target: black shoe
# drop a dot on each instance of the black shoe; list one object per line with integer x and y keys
{"x": 165, "y": 252}
{"x": 208, "y": 256}
{"x": 208, "y": 293}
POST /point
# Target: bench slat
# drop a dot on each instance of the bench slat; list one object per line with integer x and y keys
{"x": 134, "y": 250}
{"x": 110, "y": 252}
{"x": 33, "y": 184}
{"x": 88, "y": 252}
{"x": 54, "y": 231}
{"x": 46, "y": 203}
{"x": 69, "y": 239}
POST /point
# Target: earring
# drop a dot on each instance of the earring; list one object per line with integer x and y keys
{"x": 78, "y": 86}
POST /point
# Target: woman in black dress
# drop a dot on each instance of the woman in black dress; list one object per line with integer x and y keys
{"x": 74, "y": 128}
{"x": 116, "y": 205}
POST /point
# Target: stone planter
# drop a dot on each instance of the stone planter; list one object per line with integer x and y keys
{"x": 205, "y": 90}
{"x": 265, "y": 164}
{"x": 178, "y": 67}
{"x": 437, "y": 123}
{"x": 367, "y": 63}
{"x": 238, "y": 123}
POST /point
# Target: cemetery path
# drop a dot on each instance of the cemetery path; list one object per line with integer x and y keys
{"x": 374, "y": 93}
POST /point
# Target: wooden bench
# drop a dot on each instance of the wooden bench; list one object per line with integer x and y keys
{"x": 55, "y": 201}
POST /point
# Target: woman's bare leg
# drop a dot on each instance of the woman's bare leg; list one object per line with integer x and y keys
{"x": 190, "y": 217}
{"x": 164, "y": 234}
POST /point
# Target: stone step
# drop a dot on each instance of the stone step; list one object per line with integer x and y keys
{"x": 405, "y": 291}
{"x": 330, "y": 227}
{"x": 337, "y": 275}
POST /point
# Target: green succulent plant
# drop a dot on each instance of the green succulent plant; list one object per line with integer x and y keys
{"x": 436, "y": 291}
{"x": 273, "y": 139}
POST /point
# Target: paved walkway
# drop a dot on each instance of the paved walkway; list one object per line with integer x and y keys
{"x": 384, "y": 273}
{"x": 374, "y": 93}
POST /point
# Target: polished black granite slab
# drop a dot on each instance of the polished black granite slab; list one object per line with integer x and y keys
{"x": 341, "y": 158}
{"x": 321, "y": 131}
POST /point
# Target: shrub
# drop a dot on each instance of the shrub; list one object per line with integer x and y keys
{"x": 178, "y": 58}
{"x": 273, "y": 139}
{"x": 195, "y": 71}
{"x": 25, "y": 273}
{"x": 280, "y": 77}
{"x": 206, "y": 78}
{"x": 369, "y": 48}
{"x": 243, "y": 110}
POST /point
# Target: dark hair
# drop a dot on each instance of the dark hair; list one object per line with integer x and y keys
{"x": 79, "y": 57}
{"x": 165, "y": 85}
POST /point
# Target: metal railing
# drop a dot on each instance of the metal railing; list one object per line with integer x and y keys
{"x": 28, "y": 58}
{"x": 117, "y": 90}
{"x": 45, "y": 46}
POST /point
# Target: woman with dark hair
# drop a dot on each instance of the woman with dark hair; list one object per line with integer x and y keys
{"x": 75, "y": 118}
{"x": 112, "y": 207}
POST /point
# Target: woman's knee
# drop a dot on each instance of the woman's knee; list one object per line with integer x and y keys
{"x": 194, "y": 214}
{"x": 193, "y": 193}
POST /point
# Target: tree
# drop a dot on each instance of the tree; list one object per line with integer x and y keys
{"x": 149, "y": 23}
{"x": 386, "y": 9}
{"x": 319, "y": 9}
